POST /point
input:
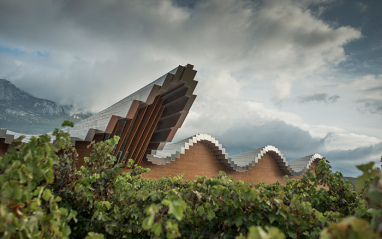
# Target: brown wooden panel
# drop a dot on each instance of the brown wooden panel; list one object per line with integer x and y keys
{"x": 121, "y": 126}
{"x": 169, "y": 121}
{"x": 123, "y": 136}
{"x": 98, "y": 137}
{"x": 160, "y": 136}
{"x": 3, "y": 147}
{"x": 153, "y": 126}
{"x": 146, "y": 136}
{"x": 134, "y": 128}
{"x": 133, "y": 109}
{"x": 179, "y": 93}
{"x": 111, "y": 125}
{"x": 175, "y": 106}
{"x": 114, "y": 130}
{"x": 142, "y": 128}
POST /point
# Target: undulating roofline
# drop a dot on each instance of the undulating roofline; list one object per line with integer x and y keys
{"x": 241, "y": 163}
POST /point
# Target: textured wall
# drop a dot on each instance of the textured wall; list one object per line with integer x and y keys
{"x": 266, "y": 170}
{"x": 199, "y": 160}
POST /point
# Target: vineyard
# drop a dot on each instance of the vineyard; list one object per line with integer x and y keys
{"x": 44, "y": 195}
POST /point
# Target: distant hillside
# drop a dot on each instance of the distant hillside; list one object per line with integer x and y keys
{"x": 24, "y": 113}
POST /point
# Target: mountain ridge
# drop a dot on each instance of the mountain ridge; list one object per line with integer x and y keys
{"x": 24, "y": 113}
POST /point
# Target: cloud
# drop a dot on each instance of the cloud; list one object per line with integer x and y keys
{"x": 362, "y": 6}
{"x": 119, "y": 40}
{"x": 319, "y": 97}
{"x": 368, "y": 89}
{"x": 348, "y": 159}
{"x": 348, "y": 141}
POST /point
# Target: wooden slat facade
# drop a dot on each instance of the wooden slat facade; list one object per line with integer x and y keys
{"x": 150, "y": 124}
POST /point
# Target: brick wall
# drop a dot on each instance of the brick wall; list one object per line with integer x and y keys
{"x": 199, "y": 160}
{"x": 266, "y": 170}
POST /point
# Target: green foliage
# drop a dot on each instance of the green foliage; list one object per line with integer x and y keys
{"x": 370, "y": 185}
{"x": 28, "y": 208}
{"x": 350, "y": 227}
{"x": 44, "y": 194}
{"x": 67, "y": 123}
{"x": 256, "y": 232}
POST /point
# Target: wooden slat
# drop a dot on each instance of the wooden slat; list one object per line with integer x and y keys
{"x": 148, "y": 138}
{"x": 120, "y": 127}
{"x": 114, "y": 130}
{"x": 123, "y": 136}
{"x": 150, "y": 122}
{"x": 111, "y": 125}
{"x": 134, "y": 129}
{"x": 141, "y": 130}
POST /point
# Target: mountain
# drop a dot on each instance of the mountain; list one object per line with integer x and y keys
{"x": 24, "y": 113}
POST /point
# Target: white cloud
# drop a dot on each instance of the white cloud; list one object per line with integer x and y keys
{"x": 368, "y": 91}
{"x": 348, "y": 141}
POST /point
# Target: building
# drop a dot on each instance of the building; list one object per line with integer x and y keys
{"x": 147, "y": 121}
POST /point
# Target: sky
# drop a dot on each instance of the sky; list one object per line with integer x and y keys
{"x": 302, "y": 75}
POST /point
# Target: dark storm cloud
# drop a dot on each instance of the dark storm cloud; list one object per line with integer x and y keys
{"x": 319, "y": 97}
{"x": 93, "y": 46}
{"x": 349, "y": 159}
{"x": 295, "y": 143}
{"x": 292, "y": 141}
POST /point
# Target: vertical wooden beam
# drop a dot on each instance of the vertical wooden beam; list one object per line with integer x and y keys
{"x": 123, "y": 135}
{"x": 134, "y": 128}
{"x": 114, "y": 130}
{"x": 149, "y": 135}
{"x": 147, "y": 127}
{"x": 112, "y": 122}
{"x": 136, "y": 144}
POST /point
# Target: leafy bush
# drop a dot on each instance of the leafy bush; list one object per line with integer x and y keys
{"x": 28, "y": 208}
{"x": 44, "y": 194}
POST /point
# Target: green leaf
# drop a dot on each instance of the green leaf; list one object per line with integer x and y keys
{"x": 47, "y": 195}
{"x": 365, "y": 168}
{"x": 272, "y": 218}
{"x": 157, "y": 229}
{"x": 130, "y": 163}
{"x": 67, "y": 123}
{"x": 93, "y": 235}
{"x": 210, "y": 215}
{"x": 176, "y": 207}
{"x": 292, "y": 234}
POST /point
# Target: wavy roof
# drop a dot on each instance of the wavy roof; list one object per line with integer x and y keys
{"x": 241, "y": 163}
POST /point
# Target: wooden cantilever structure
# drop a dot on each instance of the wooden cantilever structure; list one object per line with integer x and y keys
{"x": 145, "y": 120}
